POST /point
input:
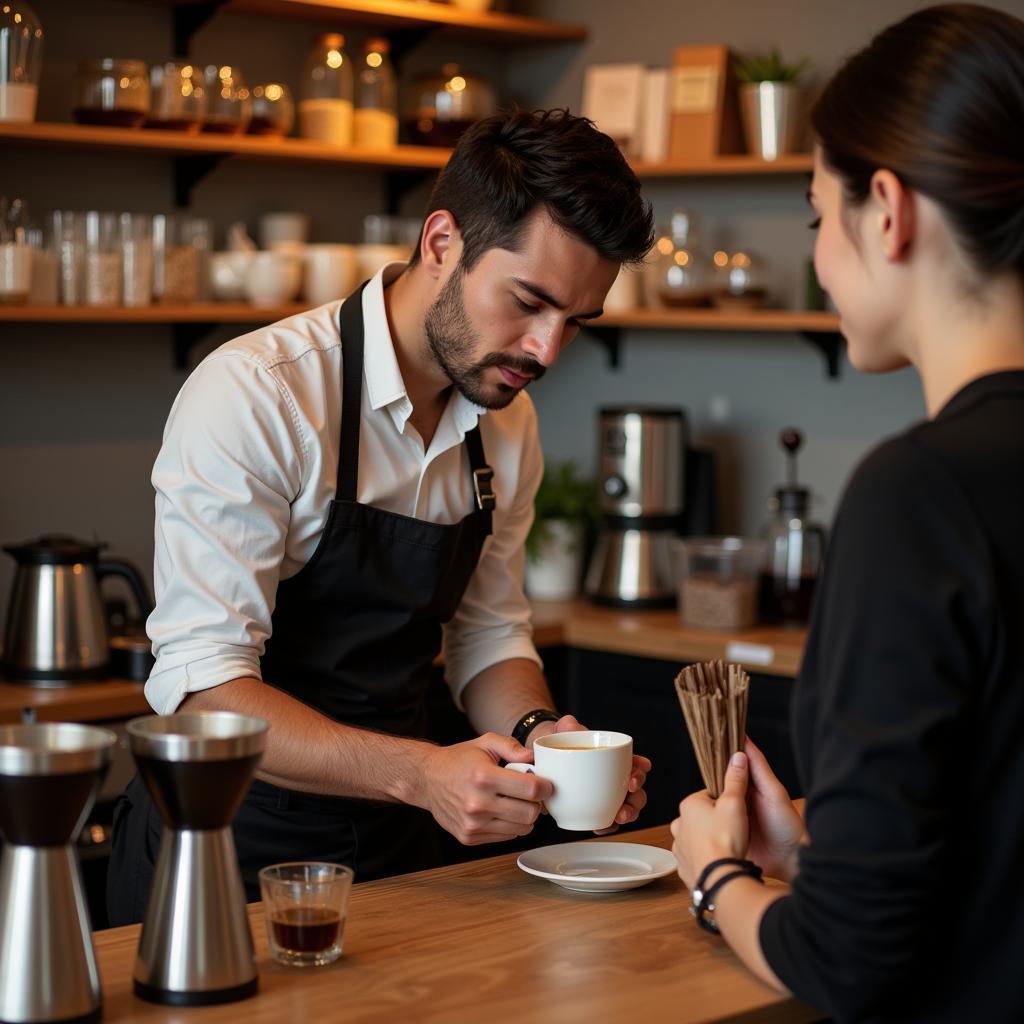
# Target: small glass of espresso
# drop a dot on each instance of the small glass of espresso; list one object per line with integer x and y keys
{"x": 306, "y": 903}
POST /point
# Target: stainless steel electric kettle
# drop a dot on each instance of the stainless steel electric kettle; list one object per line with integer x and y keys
{"x": 56, "y": 629}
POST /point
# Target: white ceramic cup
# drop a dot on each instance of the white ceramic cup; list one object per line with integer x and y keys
{"x": 227, "y": 275}
{"x": 283, "y": 227}
{"x": 272, "y": 278}
{"x": 328, "y": 272}
{"x": 590, "y": 773}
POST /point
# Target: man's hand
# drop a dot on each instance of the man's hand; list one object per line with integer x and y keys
{"x": 636, "y": 798}
{"x": 475, "y": 800}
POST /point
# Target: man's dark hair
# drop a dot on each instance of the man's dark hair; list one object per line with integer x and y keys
{"x": 505, "y": 167}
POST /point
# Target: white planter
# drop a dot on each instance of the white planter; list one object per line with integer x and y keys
{"x": 555, "y": 575}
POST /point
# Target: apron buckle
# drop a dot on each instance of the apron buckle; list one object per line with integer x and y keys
{"x": 485, "y": 498}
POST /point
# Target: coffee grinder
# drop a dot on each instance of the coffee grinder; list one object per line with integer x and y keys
{"x": 49, "y": 776}
{"x": 642, "y": 489}
{"x": 196, "y": 948}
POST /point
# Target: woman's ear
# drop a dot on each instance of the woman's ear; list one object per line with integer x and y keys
{"x": 440, "y": 243}
{"x": 894, "y": 208}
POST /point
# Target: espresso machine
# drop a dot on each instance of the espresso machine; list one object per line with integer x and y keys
{"x": 642, "y": 484}
{"x": 196, "y": 948}
{"x": 49, "y": 775}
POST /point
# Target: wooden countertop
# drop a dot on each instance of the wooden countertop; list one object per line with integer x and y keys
{"x": 485, "y": 941}
{"x": 647, "y": 634}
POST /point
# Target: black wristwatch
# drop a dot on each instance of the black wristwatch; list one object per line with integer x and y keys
{"x": 529, "y": 720}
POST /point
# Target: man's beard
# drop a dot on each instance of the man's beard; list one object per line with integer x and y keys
{"x": 453, "y": 341}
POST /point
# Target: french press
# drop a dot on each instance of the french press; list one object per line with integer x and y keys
{"x": 795, "y": 550}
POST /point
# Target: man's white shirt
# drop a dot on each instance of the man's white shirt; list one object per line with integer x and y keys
{"x": 247, "y": 470}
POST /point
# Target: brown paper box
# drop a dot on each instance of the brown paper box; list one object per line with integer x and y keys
{"x": 703, "y": 105}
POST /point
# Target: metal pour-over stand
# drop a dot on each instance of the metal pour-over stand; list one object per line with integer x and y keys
{"x": 196, "y": 948}
{"x": 49, "y": 775}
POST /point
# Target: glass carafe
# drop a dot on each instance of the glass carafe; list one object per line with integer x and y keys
{"x": 325, "y": 109}
{"x": 376, "y": 118}
{"x": 795, "y": 550}
{"x": 21, "y": 57}
{"x": 683, "y": 270}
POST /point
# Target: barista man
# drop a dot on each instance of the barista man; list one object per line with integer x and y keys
{"x": 340, "y": 491}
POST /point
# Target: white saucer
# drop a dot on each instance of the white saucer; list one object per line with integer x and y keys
{"x": 598, "y": 867}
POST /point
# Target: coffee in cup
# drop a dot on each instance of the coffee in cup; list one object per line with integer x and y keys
{"x": 589, "y": 771}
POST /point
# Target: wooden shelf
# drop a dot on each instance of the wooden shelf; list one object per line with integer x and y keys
{"x": 401, "y": 158}
{"x": 196, "y": 313}
{"x": 735, "y": 166}
{"x": 402, "y": 15}
{"x": 771, "y": 320}
{"x": 168, "y": 143}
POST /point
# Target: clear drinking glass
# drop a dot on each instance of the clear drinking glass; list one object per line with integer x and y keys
{"x": 102, "y": 272}
{"x": 69, "y": 241}
{"x": 306, "y": 903}
{"x": 136, "y": 232}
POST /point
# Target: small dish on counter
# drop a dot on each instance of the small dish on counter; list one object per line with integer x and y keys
{"x": 598, "y": 867}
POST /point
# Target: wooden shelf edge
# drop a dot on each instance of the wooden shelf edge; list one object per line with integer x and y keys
{"x": 762, "y": 320}
{"x": 168, "y": 143}
{"x": 200, "y": 312}
{"x": 400, "y": 14}
{"x": 792, "y": 163}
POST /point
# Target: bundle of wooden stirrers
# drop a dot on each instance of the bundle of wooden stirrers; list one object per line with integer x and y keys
{"x": 714, "y": 699}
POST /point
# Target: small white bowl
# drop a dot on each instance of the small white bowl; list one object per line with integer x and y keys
{"x": 272, "y": 278}
{"x": 227, "y": 275}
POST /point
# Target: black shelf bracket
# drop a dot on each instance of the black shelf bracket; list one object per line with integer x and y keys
{"x": 397, "y": 184}
{"x": 188, "y": 172}
{"x": 184, "y": 338}
{"x": 188, "y": 19}
{"x": 830, "y": 344}
{"x": 610, "y": 339}
{"x": 404, "y": 40}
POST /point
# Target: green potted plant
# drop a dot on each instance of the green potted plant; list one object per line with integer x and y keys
{"x": 769, "y": 98}
{"x": 566, "y": 504}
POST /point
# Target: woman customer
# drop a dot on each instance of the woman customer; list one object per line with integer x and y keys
{"x": 908, "y": 715}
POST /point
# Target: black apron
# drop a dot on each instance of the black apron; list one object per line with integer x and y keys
{"x": 353, "y": 634}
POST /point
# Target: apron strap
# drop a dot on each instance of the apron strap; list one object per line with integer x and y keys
{"x": 351, "y": 327}
{"x": 352, "y": 338}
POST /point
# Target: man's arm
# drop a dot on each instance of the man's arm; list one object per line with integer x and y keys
{"x": 461, "y": 785}
{"x": 496, "y": 698}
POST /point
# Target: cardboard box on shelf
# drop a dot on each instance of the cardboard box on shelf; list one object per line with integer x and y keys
{"x": 705, "y": 118}
{"x": 612, "y": 98}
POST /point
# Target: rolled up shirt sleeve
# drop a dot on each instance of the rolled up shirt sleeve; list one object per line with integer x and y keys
{"x": 229, "y": 468}
{"x": 492, "y": 623}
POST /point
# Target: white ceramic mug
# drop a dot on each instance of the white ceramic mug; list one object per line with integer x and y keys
{"x": 328, "y": 272}
{"x": 283, "y": 226}
{"x": 590, "y": 773}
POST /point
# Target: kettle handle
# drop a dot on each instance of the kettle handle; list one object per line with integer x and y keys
{"x": 116, "y": 567}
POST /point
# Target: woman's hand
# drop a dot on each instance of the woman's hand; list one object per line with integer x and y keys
{"x": 708, "y": 829}
{"x": 776, "y": 827}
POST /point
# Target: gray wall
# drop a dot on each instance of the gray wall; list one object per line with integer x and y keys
{"x": 82, "y": 408}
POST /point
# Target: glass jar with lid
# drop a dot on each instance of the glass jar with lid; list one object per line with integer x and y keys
{"x": 328, "y": 88}
{"x": 178, "y": 96}
{"x": 682, "y": 272}
{"x": 112, "y": 91}
{"x": 102, "y": 270}
{"x": 228, "y": 103}
{"x": 181, "y": 247}
{"x": 739, "y": 280}
{"x": 273, "y": 110}
{"x": 440, "y": 107}
{"x": 376, "y": 115}
{"x": 21, "y": 59}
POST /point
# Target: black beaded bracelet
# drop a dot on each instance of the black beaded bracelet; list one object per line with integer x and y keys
{"x": 702, "y": 900}
{"x": 529, "y": 720}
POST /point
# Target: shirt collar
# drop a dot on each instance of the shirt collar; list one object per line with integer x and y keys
{"x": 384, "y": 383}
